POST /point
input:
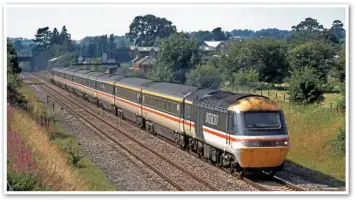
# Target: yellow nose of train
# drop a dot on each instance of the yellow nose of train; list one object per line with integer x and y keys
{"x": 257, "y": 157}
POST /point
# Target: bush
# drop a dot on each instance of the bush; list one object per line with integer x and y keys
{"x": 21, "y": 181}
{"x": 246, "y": 77}
{"x": 305, "y": 87}
{"x": 204, "y": 76}
{"x": 342, "y": 100}
{"x": 339, "y": 142}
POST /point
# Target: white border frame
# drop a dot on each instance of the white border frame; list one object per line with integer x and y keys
{"x": 184, "y": 4}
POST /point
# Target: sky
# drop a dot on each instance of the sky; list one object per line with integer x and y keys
{"x": 81, "y": 21}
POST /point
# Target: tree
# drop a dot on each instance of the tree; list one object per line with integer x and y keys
{"x": 305, "y": 86}
{"x": 218, "y": 34}
{"x": 267, "y": 56}
{"x": 204, "y": 76}
{"x": 201, "y": 36}
{"x": 42, "y": 38}
{"x": 13, "y": 82}
{"x": 112, "y": 46}
{"x": 177, "y": 56}
{"x": 309, "y": 24}
{"x": 65, "y": 40}
{"x": 317, "y": 55}
{"x": 337, "y": 29}
{"x": 148, "y": 29}
{"x": 55, "y": 39}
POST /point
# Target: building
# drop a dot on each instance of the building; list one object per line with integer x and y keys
{"x": 143, "y": 57}
{"x": 140, "y": 52}
{"x": 144, "y": 64}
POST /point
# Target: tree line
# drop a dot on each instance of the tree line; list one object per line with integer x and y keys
{"x": 311, "y": 59}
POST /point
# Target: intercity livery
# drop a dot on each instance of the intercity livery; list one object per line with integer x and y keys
{"x": 241, "y": 132}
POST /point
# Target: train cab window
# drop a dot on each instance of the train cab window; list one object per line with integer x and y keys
{"x": 262, "y": 119}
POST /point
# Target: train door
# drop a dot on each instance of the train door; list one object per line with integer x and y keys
{"x": 186, "y": 124}
{"x": 230, "y": 127}
{"x": 140, "y": 102}
{"x": 199, "y": 123}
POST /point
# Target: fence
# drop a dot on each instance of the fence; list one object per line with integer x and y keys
{"x": 282, "y": 96}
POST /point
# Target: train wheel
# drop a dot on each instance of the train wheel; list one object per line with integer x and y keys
{"x": 241, "y": 174}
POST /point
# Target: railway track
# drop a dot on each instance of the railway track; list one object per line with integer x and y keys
{"x": 148, "y": 156}
{"x": 270, "y": 183}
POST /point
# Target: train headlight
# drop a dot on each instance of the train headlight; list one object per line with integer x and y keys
{"x": 286, "y": 143}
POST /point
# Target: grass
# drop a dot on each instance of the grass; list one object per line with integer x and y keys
{"x": 312, "y": 130}
{"x": 50, "y": 147}
{"x": 51, "y": 161}
{"x": 95, "y": 178}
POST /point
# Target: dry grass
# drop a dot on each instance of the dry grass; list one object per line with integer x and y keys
{"x": 51, "y": 161}
{"x": 311, "y": 130}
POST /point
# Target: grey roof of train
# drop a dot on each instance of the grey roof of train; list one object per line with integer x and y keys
{"x": 109, "y": 77}
{"x": 200, "y": 93}
{"x": 170, "y": 89}
{"x": 93, "y": 75}
{"x": 81, "y": 72}
{"x": 134, "y": 82}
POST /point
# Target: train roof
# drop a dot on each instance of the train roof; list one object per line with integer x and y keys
{"x": 169, "y": 89}
{"x": 109, "y": 78}
{"x": 221, "y": 100}
{"x": 93, "y": 75}
{"x": 199, "y": 94}
{"x": 81, "y": 72}
{"x": 133, "y": 83}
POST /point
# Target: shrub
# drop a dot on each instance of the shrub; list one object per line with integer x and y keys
{"x": 342, "y": 100}
{"x": 305, "y": 87}
{"x": 204, "y": 76}
{"x": 246, "y": 77}
{"x": 74, "y": 153}
{"x": 339, "y": 142}
{"x": 21, "y": 181}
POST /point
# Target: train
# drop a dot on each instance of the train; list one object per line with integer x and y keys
{"x": 238, "y": 131}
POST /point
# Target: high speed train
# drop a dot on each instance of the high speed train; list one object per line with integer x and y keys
{"x": 242, "y": 132}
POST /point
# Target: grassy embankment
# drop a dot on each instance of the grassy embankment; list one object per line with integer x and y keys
{"x": 312, "y": 130}
{"x": 51, "y": 149}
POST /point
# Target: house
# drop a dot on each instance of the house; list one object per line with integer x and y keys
{"x": 144, "y": 64}
{"x": 218, "y": 47}
{"x": 140, "y": 52}
{"x": 143, "y": 57}
{"x": 210, "y": 49}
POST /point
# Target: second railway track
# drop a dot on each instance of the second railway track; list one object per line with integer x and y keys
{"x": 277, "y": 184}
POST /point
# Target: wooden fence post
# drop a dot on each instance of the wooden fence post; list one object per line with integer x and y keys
{"x": 276, "y": 95}
{"x": 331, "y": 105}
{"x": 268, "y": 94}
{"x": 284, "y": 97}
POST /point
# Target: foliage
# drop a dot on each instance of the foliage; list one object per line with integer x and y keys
{"x": 218, "y": 34}
{"x": 13, "y": 81}
{"x": 266, "y": 56}
{"x": 21, "y": 181}
{"x": 317, "y": 55}
{"x": 339, "y": 142}
{"x": 305, "y": 87}
{"x": 126, "y": 70}
{"x": 246, "y": 77}
{"x": 204, "y": 76}
{"x": 341, "y": 102}
{"x": 147, "y": 30}
{"x": 178, "y": 55}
